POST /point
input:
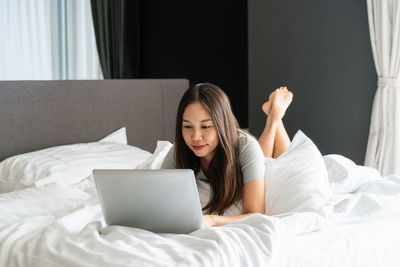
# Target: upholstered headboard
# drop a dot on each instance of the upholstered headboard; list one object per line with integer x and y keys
{"x": 41, "y": 114}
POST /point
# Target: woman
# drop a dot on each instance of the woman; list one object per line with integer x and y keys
{"x": 208, "y": 140}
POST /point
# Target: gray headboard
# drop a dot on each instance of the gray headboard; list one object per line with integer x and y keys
{"x": 41, "y": 114}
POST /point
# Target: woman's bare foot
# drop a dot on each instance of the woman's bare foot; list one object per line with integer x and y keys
{"x": 279, "y": 101}
{"x": 266, "y": 107}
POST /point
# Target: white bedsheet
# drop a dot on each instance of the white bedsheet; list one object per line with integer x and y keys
{"x": 60, "y": 225}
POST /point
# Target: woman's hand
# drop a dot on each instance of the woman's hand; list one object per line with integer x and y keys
{"x": 208, "y": 220}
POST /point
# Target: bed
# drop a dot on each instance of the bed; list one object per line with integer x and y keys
{"x": 321, "y": 210}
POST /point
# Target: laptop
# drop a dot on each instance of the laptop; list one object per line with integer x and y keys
{"x": 161, "y": 201}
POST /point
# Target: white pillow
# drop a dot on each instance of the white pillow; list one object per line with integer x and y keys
{"x": 119, "y": 136}
{"x": 69, "y": 164}
{"x": 345, "y": 176}
{"x": 155, "y": 161}
{"x": 297, "y": 180}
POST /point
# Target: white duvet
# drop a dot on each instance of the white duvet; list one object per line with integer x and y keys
{"x": 62, "y": 225}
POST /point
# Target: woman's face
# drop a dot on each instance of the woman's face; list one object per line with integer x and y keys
{"x": 199, "y": 131}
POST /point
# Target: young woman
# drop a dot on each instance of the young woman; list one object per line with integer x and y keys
{"x": 208, "y": 140}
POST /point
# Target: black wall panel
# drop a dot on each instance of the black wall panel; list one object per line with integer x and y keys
{"x": 204, "y": 41}
{"x": 321, "y": 50}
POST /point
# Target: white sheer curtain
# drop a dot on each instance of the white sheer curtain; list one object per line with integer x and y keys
{"x": 82, "y": 57}
{"x": 47, "y": 40}
{"x": 383, "y": 150}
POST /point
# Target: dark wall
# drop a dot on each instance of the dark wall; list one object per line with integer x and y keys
{"x": 321, "y": 50}
{"x": 204, "y": 41}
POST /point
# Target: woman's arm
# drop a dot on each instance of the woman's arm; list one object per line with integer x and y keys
{"x": 217, "y": 220}
{"x": 253, "y": 202}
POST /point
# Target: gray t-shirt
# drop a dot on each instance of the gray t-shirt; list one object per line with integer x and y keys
{"x": 251, "y": 158}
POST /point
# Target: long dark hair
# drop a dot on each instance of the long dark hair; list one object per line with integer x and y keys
{"x": 224, "y": 173}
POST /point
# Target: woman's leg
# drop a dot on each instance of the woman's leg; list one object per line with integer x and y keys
{"x": 267, "y": 138}
{"x": 274, "y": 140}
{"x": 282, "y": 140}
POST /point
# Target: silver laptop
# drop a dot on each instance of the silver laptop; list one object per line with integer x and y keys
{"x": 161, "y": 201}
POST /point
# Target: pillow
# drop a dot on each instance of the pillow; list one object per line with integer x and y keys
{"x": 345, "y": 176}
{"x": 69, "y": 164}
{"x": 156, "y": 160}
{"x": 297, "y": 181}
{"x": 119, "y": 136}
